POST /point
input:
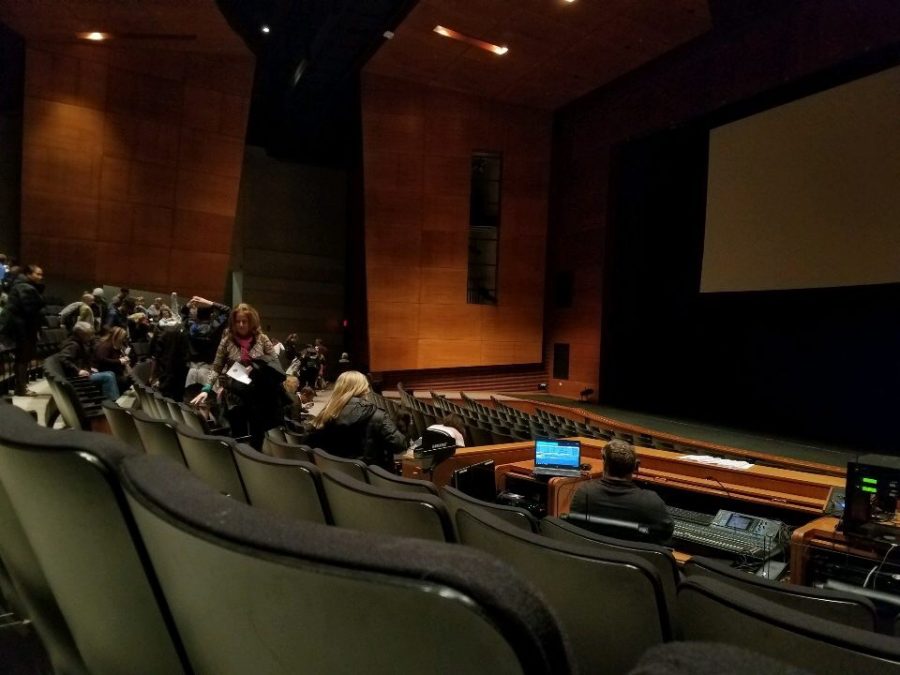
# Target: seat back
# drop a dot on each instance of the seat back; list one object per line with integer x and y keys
{"x": 713, "y": 611}
{"x": 287, "y": 486}
{"x": 610, "y": 527}
{"x": 381, "y": 477}
{"x": 611, "y": 605}
{"x": 265, "y": 594}
{"x": 658, "y": 556}
{"x": 846, "y": 608}
{"x": 33, "y": 596}
{"x": 64, "y": 490}
{"x": 158, "y": 436}
{"x": 276, "y": 434}
{"x": 162, "y": 408}
{"x": 283, "y": 450}
{"x": 456, "y": 499}
{"x": 210, "y": 458}
{"x": 360, "y": 506}
{"x": 174, "y": 409}
{"x": 121, "y": 423}
{"x": 192, "y": 418}
{"x": 353, "y": 468}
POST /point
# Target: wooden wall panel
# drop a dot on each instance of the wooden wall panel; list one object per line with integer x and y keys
{"x": 131, "y": 165}
{"x": 417, "y": 144}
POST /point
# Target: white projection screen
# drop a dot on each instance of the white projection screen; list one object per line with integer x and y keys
{"x": 807, "y": 195}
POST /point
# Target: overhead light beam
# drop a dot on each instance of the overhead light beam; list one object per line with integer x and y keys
{"x": 475, "y": 42}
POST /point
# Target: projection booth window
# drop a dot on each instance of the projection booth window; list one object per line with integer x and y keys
{"x": 484, "y": 227}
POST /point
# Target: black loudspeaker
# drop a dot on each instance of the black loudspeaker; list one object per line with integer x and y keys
{"x": 560, "y": 361}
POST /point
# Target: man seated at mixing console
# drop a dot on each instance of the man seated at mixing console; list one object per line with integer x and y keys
{"x": 615, "y": 497}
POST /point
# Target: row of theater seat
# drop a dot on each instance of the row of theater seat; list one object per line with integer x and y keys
{"x": 128, "y": 564}
{"x": 568, "y": 564}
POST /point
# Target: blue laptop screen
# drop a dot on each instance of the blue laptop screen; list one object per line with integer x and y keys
{"x": 553, "y": 454}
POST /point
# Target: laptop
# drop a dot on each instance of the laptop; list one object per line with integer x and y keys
{"x": 557, "y": 458}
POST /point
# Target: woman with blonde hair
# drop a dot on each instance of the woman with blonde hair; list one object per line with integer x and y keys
{"x": 351, "y": 426}
{"x": 250, "y": 407}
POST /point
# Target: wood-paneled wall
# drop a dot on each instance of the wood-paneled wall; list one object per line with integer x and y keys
{"x": 417, "y": 147}
{"x": 131, "y": 165}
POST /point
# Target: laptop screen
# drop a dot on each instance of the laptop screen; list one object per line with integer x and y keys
{"x": 556, "y": 454}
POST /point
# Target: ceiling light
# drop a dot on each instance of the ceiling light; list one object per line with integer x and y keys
{"x": 570, "y": 1}
{"x": 95, "y": 36}
{"x": 481, "y": 44}
{"x": 388, "y": 34}
{"x": 266, "y": 30}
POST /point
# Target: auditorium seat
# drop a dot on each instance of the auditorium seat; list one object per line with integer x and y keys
{"x": 609, "y": 527}
{"x": 284, "y": 450}
{"x": 210, "y": 458}
{"x": 30, "y": 595}
{"x": 158, "y": 436}
{"x": 359, "y": 506}
{"x": 456, "y": 499}
{"x": 658, "y": 556}
{"x": 712, "y": 611}
{"x": 611, "y": 605}
{"x": 287, "y": 486}
{"x": 192, "y": 419}
{"x": 64, "y": 489}
{"x": 845, "y": 608}
{"x": 175, "y": 413}
{"x": 121, "y": 423}
{"x": 257, "y": 593}
{"x": 349, "y": 467}
{"x": 380, "y": 477}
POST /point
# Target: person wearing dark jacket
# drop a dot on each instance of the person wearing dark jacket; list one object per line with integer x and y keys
{"x": 22, "y": 319}
{"x": 350, "y": 426}
{"x": 77, "y": 358}
{"x": 615, "y": 495}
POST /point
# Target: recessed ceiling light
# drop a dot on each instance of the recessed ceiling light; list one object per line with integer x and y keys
{"x": 475, "y": 42}
{"x": 95, "y": 36}
{"x": 266, "y": 29}
{"x": 570, "y": 1}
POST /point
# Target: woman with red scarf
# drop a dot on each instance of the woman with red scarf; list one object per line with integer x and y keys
{"x": 244, "y": 348}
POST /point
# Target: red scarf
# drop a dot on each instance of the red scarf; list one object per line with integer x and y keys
{"x": 245, "y": 344}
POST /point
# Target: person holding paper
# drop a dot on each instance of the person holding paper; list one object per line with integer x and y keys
{"x": 241, "y": 345}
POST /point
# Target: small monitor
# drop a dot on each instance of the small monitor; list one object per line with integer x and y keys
{"x": 554, "y": 455}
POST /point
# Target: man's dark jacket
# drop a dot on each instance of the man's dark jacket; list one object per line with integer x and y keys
{"x": 621, "y": 499}
{"x": 22, "y": 316}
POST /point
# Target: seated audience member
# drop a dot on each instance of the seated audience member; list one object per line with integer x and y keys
{"x": 139, "y": 327}
{"x": 153, "y": 308}
{"x": 118, "y": 313}
{"x": 615, "y": 495}
{"x": 454, "y": 426}
{"x": 307, "y": 398}
{"x": 109, "y": 354}
{"x": 165, "y": 318}
{"x": 76, "y": 356}
{"x": 351, "y": 426}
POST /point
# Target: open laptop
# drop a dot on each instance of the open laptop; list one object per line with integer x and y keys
{"x": 557, "y": 458}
